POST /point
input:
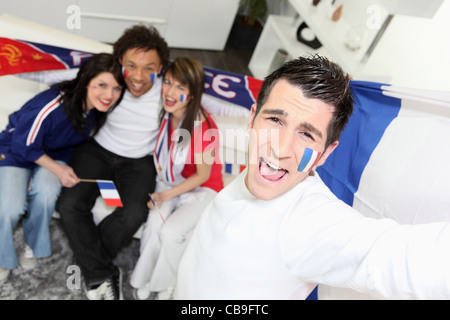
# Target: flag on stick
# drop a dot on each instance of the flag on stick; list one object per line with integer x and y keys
{"x": 109, "y": 193}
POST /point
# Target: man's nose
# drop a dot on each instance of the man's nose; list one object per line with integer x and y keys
{"x": 140, "y": 74}
{"x": 282, "y": 143}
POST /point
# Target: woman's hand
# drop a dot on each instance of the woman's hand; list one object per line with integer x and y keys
{"x": 158, "y": 199}
{"x": 68, "y": 177}
{"x": 65, "y": 174}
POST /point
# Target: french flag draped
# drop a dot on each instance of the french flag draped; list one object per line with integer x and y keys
{"x": 393, "y": 158}
{"x": 373, "y": 112}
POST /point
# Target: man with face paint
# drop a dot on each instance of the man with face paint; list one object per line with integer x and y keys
{"x": 122, "y": 151}
{"x": 277, "y": 231}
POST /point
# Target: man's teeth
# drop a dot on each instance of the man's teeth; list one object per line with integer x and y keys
{"x": 137, "y": 85}
{"x": 271, "y": 165}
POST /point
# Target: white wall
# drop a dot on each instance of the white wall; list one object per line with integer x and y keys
{"x": 196, "y": 24}
{"x": 415, "y": 52}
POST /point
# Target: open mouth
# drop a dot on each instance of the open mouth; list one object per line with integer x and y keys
{"x": 170, "y": 102}
{"x": 137, "y": 86}
{"x": 270, "y": 171}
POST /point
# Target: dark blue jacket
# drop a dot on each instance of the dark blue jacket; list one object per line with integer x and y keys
{"x": 40, "y": 127}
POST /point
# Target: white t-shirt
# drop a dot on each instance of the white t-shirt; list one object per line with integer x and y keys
{"x": 247, "y": 248}
{"x": 132, "y": 127}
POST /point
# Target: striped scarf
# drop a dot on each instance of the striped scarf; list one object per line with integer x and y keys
{"x": 170, "y": 156}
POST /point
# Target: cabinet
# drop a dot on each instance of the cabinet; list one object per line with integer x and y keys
{"x": 364, "y": 18}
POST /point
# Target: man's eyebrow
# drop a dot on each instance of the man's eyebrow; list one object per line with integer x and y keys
{"x": 308, "y": 126}
{"x": 147, "y": 65}
{"x": 278, "y": 112}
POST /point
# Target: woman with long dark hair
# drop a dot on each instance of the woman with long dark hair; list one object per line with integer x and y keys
{"x": 36, "y": 146}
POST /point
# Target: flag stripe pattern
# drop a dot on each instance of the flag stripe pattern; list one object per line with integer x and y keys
{"x": 309, "y": 160}
{"x": 52, "y": 105}
{"x": 233, "y": 169}
{"x": 109, "y": 193}
{"x": 373, "y": 113}
{"x": 183, "y": 97}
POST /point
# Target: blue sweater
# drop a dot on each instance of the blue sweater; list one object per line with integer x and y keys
{"x": 40, "y": 127}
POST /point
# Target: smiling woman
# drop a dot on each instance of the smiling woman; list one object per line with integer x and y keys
{"x": 103, "y": 92}
{"x": 36, "y": 147}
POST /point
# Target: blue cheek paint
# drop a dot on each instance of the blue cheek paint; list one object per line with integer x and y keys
{"x": 184, "y": 97}
{"x": 309, "y": 160}
{"x": 153, "y": 76}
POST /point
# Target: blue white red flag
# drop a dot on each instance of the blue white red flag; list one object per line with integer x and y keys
{"x": 109, "y": 193}
{"x": 392, "y": 160}
{"x": 233, "y": 169}
{"x": 373, "y": 112}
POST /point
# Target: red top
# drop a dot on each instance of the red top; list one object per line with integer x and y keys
{"x": 202, "y": 142}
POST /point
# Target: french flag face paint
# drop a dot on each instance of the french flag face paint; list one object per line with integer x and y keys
{"x": 124, "y": 72}
{"x": 153, "y": 76}
{"x": 309, "y": 160}
{"x": 184, "y": 97}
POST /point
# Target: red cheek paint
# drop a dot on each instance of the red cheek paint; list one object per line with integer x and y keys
{"x": 124, "y": 72}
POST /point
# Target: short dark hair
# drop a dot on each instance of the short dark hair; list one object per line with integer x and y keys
{"x": 142, "y": 37}
{"x": 317, "y": 78}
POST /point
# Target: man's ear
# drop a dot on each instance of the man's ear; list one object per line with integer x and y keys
{"x": 326, "y": 153}
{"x": 251, "y": 117}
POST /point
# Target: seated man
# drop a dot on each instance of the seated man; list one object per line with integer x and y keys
{"x": 122, "y": 151}
{"x": 276, "y": 231}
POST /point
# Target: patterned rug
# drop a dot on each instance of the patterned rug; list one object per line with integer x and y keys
{"x": 57, "y": 277}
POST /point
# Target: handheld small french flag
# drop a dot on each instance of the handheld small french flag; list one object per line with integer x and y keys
{"x": 109, "y": 193}
{"x": 309, "y": 160}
